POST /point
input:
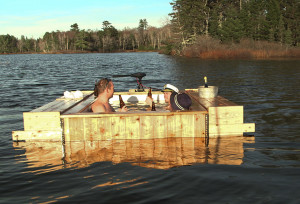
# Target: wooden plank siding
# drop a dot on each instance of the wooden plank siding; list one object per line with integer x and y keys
{"x": 39, "y": 121}
{"x": 225, "y": 117}
{"x": 149, "y": 125}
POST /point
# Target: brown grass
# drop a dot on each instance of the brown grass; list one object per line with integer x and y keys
{"x": 209, "y": 48}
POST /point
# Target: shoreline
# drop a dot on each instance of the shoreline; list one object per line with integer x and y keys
{"x": 75, "y": 52}
{"x": 238, "y": 54}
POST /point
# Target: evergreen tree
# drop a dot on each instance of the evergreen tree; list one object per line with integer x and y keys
{"x": 273, "y": 20}
{"x": 81, "y": 41}
{"x": 109, "y": 37}
{"x": 213, "y": 25}
{"x": 189, "y": 19}
{"x": 291, "y": 12}
{"x": 75, "y": 27}
{"x": 142, "y": 32}
{"x": 232, "y": 29}
{"x": 8, "y": 44}
{"x": 280, "y": 31}
{"x": 288, "y": 37}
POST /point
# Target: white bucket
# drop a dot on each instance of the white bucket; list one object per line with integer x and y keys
{"x": 209, "y": 92}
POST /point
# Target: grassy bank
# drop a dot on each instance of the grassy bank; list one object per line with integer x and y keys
{"x": 209, "y": 48}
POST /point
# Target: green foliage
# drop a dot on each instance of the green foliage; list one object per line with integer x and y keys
{"x": 75, "y": 27}
{"x": 189, "y": 19}
{"x": 81, "y": 41}
{"x": 213, "y": 28}
{"x": 108, "y": 37}
{"x": 232, "y": 29}
{"x": 51, "y": 41}
{"x": 167, "y": 49}
{"x": 143, "y": 24}
{"x": 288, "y": 37}
{"x": 8, "y": 44}
{"x": 229, "y": 21}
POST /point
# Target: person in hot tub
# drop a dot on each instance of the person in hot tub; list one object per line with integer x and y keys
{"x": 180, "y": 101}
{"x": 104, "y": 90}
{"x": 170, "y": 92}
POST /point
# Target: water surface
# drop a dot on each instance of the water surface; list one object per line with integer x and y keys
{"x": 263, "y": 168}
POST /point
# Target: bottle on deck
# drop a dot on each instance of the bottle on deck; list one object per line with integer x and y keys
{"x": 153, "y": 106}
{"x": 122, "y": 104}
{"x": 150, "y": 96}
{"x": 150, "y": 93}
{"x": 205, "y": 80}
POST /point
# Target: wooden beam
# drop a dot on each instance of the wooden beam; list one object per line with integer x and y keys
{"x": 40, "y": 135}
{"x": 230, "y": 129}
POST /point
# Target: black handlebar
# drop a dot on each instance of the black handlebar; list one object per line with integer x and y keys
{"x": 138, "y": 75}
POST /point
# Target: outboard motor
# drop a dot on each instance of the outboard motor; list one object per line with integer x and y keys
{"x": 138, "y": 76}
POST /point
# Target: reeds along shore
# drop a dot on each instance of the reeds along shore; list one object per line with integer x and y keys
{"x": 208, "y": 48}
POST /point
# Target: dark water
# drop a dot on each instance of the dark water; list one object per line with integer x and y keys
{"x": 264, "y": 168}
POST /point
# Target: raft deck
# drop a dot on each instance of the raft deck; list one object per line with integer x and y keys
{"x": 69, "y": 120}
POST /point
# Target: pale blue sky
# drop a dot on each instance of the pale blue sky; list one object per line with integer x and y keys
{"x": 32, "y": 18}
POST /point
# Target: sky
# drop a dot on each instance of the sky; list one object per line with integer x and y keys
{"x": 33, "y": 18}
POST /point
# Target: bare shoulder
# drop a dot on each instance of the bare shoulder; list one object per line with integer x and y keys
{"x": 98, "y": 107}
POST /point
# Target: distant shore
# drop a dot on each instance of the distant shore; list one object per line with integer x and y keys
{"x": 192, "y": 52}
{"x": 75, "y": 52}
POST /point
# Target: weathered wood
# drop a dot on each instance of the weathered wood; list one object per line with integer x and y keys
{"x": 159, "y": 127}
{"x": 39, "y": 135}
{"x": 230, "y": 130}
{"x": 226, "y": 115}
{"x": 209, "y": 102}
{"x": 131, "y": 126}
{"x": 226, "y": 120}
{"x": 62, "y": 104}
{"x": 36, "y": 121}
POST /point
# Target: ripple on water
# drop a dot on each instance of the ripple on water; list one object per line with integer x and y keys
{"x": 268, "y": 169}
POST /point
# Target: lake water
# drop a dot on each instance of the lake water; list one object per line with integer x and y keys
{"x": 259, "y": 168}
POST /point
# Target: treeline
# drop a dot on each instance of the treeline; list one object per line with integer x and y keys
{"x": 233, "y": 20}
{"x": 195, "y": 27}
{"x": 108, "y": 39}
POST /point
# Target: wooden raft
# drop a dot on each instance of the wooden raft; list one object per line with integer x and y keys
{"x": 68, "y": 120}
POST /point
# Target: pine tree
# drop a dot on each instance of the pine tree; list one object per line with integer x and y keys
{"x": 288, "y": 37}
{"x": 232, "y": 29}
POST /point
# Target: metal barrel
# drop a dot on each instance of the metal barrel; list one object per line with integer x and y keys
{"x": 209, "y": 92}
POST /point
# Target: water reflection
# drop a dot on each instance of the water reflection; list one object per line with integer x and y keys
{"x": 151, "y": 153}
